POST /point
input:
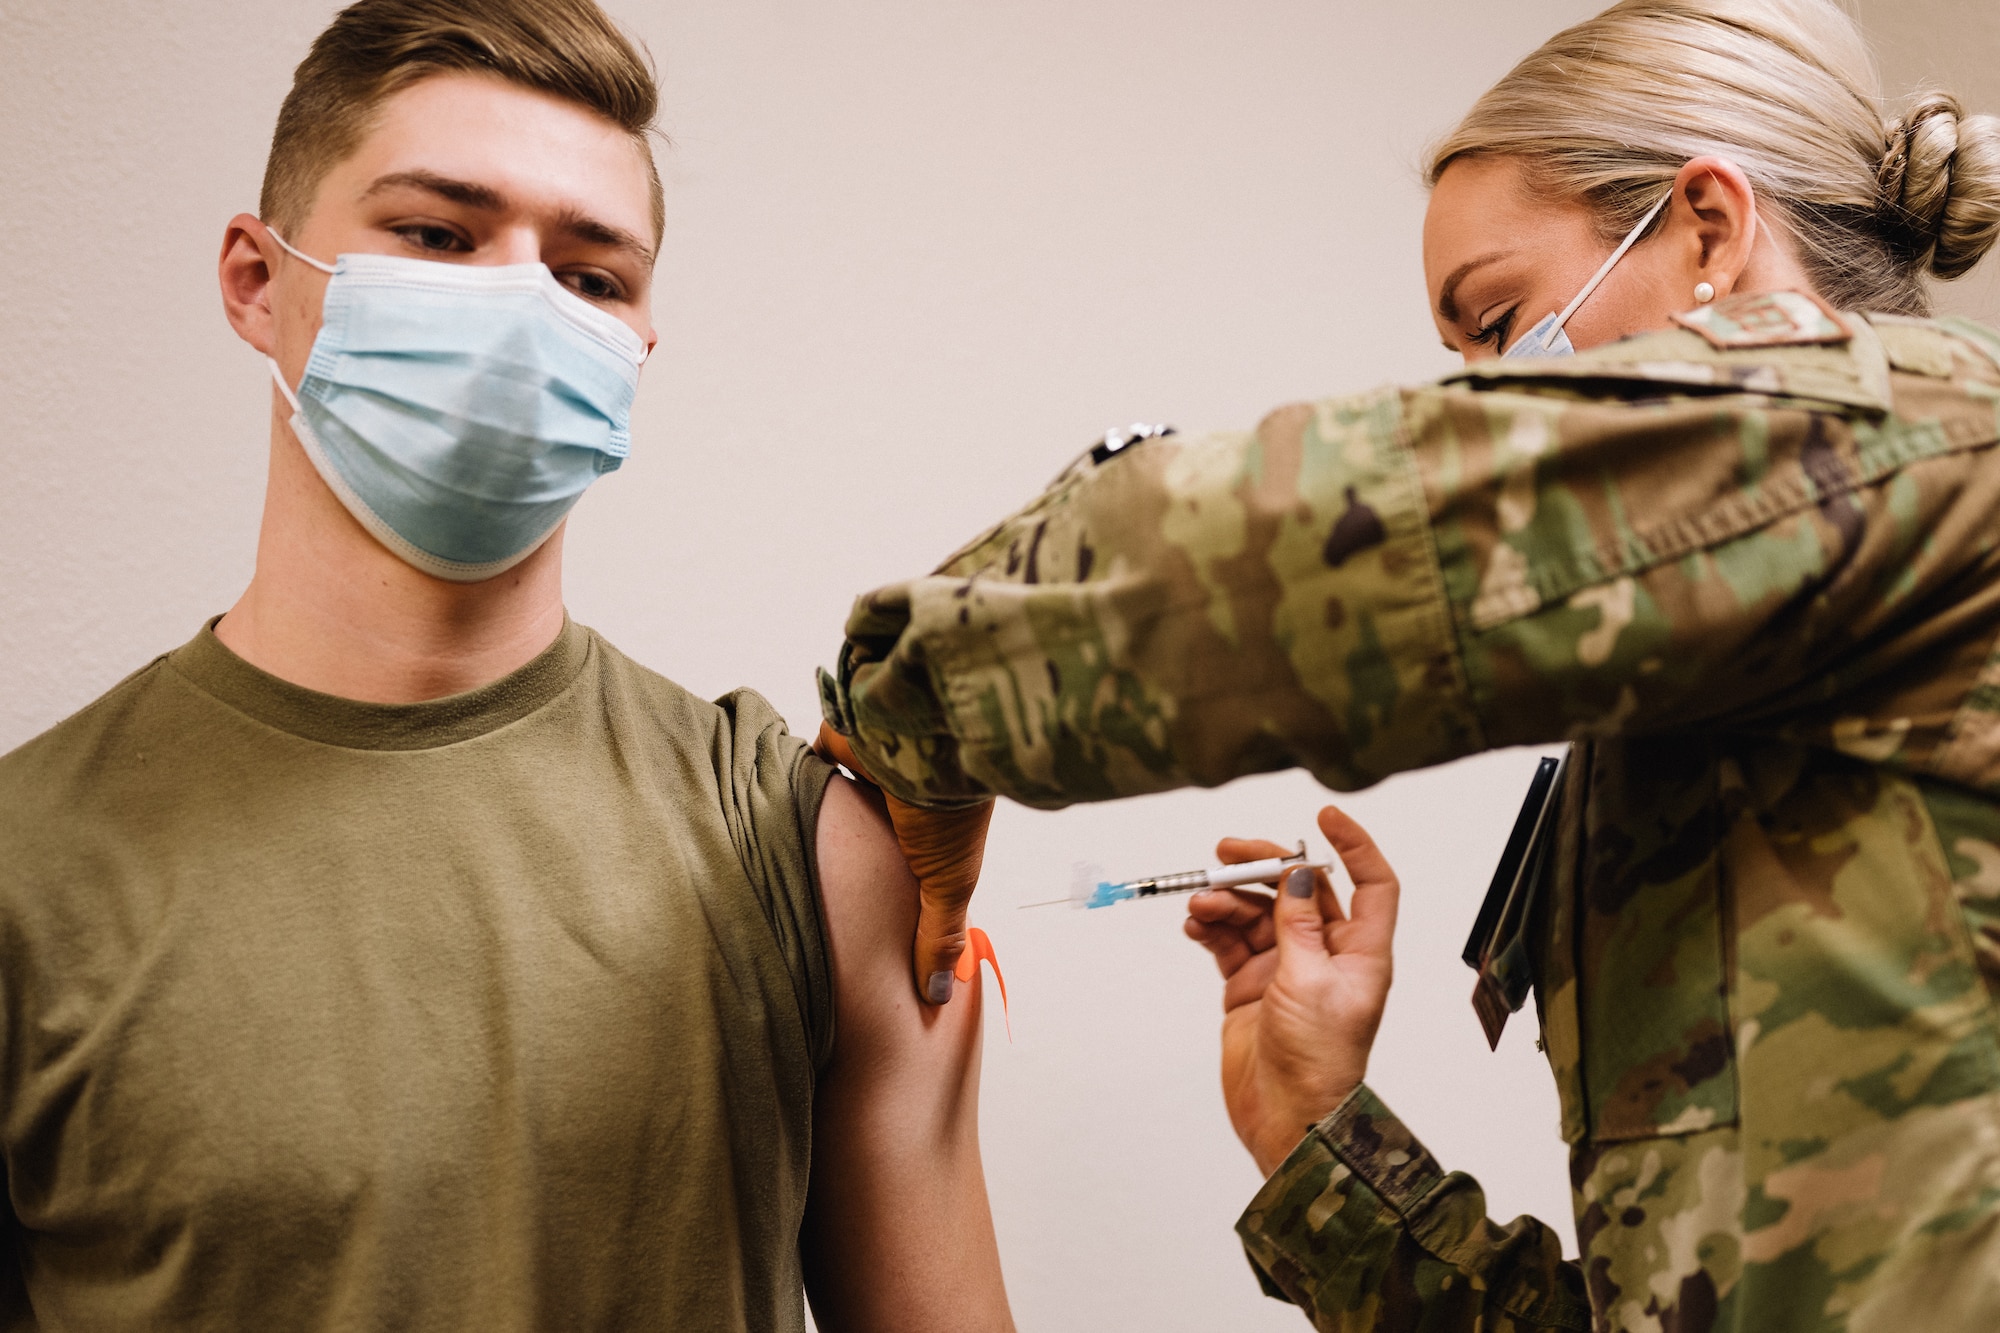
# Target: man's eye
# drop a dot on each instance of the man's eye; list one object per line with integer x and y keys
{"x": 593, "y": 286}
{"x": 438, "y": 240}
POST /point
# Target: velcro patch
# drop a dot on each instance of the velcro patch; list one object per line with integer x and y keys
{"x": 1766, "y": 319}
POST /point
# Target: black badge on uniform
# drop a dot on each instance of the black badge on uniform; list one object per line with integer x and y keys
{"x": 1499, "y": 946}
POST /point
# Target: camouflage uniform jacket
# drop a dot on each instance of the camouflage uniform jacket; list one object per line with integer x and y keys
{"x": 1760, "y": 587}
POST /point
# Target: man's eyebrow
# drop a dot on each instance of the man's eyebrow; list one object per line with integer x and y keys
{"x": 1448, "y": 294}
{"x": 571, "y": 222}
{"x": 582, "y": 227}
{"x": 470, "y": 193}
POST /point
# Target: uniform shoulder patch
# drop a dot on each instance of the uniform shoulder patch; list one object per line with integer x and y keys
{"x": 1767, "y": 319}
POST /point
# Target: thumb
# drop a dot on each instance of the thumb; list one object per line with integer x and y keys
{"x": 941, "y": 938}
{"x": 1300, "y": 924}
{"x": 835, "y": 748}
{"x": 944, "y": 849}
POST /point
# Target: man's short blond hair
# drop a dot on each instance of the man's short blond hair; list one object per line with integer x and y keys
{"x": 374, "y": 48}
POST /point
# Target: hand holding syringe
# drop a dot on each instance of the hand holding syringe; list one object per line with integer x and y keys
{"x": 1092, "y": 892}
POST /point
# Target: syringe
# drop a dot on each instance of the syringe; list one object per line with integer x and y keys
{"x": 1103, "y": 893}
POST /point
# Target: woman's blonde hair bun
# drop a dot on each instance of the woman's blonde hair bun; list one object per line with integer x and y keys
{"x": 1609, "y": 111}
{"x": 1939, "y": 184}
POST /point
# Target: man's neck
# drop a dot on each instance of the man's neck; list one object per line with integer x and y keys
{"x": 330, "y": 609}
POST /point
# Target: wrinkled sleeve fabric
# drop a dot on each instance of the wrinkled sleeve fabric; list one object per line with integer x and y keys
{"x": 1794, "y": 541}
{"x": 1363, "y": 1230}
{"x": 772, "y": 792}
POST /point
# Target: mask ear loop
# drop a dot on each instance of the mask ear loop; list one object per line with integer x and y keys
{"x": 277, "y": 374}
{"x": 303, "y": 258}
{"x": 1631, "y": 239}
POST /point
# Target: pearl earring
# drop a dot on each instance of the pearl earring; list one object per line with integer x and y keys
{"x": 1704, "y": 292}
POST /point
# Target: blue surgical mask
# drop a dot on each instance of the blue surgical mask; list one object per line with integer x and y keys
{"x": 457, "y": 410}
{"x": 1548, "y": 337}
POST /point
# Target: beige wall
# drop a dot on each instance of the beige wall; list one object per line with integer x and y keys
{"x": 918, "y": 254}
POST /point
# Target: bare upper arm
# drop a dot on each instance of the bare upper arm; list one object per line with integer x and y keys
{"x": 898, "y": 1232}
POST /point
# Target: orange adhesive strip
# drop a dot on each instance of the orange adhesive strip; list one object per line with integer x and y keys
{"x": 977, "y": 946}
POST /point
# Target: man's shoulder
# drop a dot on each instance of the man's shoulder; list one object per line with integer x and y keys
{"x": 624, "y": 675}
{"x": 736, "y": 727}
{"x": 40, "y": 774}
{"x": 77, "y": 790}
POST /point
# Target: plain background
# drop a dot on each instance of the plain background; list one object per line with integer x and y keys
{"x": 917, "y": 256}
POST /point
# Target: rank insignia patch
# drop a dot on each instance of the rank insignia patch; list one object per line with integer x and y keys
{"x": 1766, "y": 319}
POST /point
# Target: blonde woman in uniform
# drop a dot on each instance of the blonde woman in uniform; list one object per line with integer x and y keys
{"x": 1741, "y": 550}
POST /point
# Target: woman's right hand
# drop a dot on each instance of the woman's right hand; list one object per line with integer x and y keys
{"x": 1305, "y": 985}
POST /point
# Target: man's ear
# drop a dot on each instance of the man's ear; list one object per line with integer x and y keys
{"x": 246, "y": 271}
{"x": 1715, "y": 210}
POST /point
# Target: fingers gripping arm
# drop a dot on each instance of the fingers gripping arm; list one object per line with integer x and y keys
{"x": 945, "y": 850}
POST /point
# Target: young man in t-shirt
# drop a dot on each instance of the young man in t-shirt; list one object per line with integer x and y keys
{"x": 396, "y": 953}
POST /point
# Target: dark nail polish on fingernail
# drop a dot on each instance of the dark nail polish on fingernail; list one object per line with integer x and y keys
{"x": 1299, "y": 883}
{"x": 938, "y": 988}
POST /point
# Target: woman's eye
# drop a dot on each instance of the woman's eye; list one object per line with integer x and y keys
{"x": 1495, "y": 333}
{"x": 593, "y": 286}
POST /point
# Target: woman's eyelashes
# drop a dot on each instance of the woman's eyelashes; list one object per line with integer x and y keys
{"x": 1494, "y": 333}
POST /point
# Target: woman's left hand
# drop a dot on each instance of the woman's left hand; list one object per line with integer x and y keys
{"x": 1305, "y": 985}
{"x": 945, "y": 850}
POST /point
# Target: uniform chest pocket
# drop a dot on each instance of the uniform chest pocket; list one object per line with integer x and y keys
{"x": 1635, "y": 996}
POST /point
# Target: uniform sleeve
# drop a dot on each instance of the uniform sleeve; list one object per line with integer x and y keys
{"x": 1678, "y": 539}
{"x": 1361, "y": 1229}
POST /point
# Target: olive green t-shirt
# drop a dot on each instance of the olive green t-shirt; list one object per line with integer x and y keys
{"x": 496, "y": 1012}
